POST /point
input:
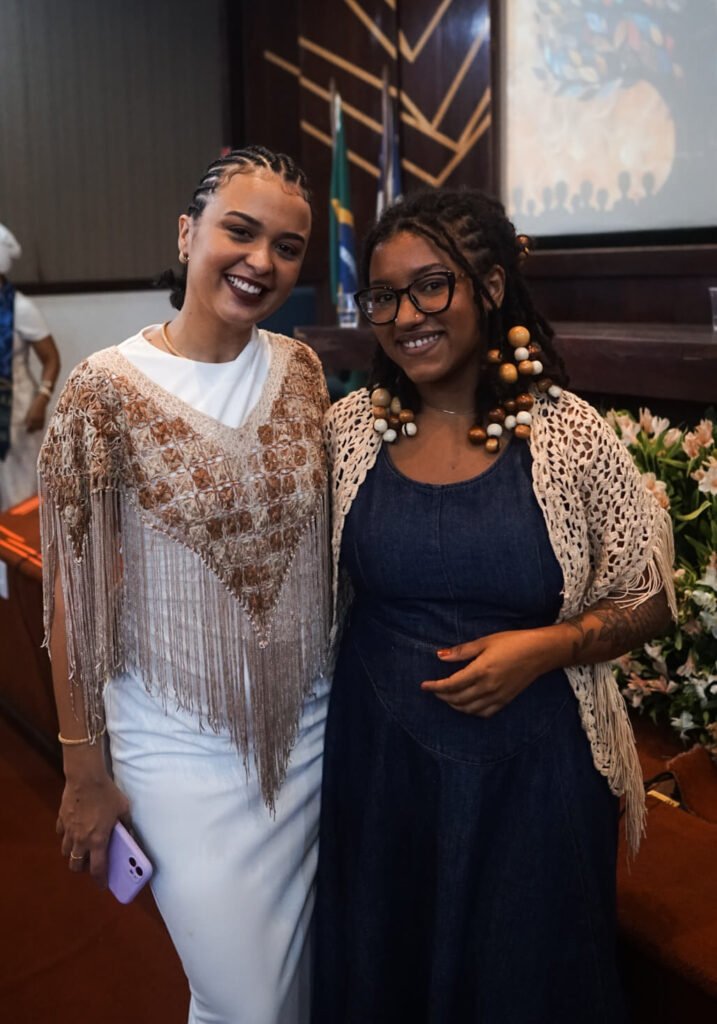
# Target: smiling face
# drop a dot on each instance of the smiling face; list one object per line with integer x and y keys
{"x": 433, "y": 349}
{"x": 245, "y": 250}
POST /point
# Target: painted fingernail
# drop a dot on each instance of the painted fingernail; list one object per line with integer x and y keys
{"x": 443, "y": 652}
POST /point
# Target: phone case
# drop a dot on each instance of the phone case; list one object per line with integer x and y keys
{"x": 128, "y": 867}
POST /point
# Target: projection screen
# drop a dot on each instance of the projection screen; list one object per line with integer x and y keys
{"x": 609, "y": 115}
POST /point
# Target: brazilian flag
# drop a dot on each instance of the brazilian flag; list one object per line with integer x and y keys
{"x": 342, "y": 247}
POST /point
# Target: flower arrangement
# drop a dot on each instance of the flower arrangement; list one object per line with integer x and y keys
{"x": 674, "y": 679}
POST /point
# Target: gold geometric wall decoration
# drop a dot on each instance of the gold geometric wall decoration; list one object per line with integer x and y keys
{"x": 411, "y": 115}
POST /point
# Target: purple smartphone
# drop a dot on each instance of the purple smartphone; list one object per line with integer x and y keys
{"x": 128, "y": 867}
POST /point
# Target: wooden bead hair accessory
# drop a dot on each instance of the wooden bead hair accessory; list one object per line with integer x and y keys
{"x": 513, "y": 414}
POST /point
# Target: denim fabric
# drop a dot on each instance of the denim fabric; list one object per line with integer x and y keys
{"x": 467, "y": 865}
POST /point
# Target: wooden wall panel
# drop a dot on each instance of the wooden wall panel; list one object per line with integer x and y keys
{"x": 345, "y": 43}
{"x": 658, "y": 285}
{"x": 436, "y": 54}
{"x": 269, "y": 82}
{"x": 109, "y": 114}
{"x": 444, "y": 72}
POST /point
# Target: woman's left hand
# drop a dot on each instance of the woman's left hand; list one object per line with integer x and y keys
{"x": 502, "y": 666}
{"x": 35, "y": 419}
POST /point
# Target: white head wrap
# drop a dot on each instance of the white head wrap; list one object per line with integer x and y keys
{"x": 9, "y": 249}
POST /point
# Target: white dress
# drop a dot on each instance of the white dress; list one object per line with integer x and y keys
{"x": 18, "y": 471}
{"x": 233, "y": 883}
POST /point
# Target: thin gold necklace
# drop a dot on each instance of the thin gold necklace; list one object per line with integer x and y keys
{"x": 449, "y": 412}
{"x": 170, "y": 347}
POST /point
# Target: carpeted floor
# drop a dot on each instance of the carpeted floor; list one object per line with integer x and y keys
{"x": 69, "y": 952}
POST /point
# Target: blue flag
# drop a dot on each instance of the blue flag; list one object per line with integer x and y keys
{"x": 342, "y": 252}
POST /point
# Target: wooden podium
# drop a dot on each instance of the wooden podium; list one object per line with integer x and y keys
{"x": 672, "y": 365}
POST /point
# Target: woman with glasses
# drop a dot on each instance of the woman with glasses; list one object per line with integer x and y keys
{"x": 494, "y": 549}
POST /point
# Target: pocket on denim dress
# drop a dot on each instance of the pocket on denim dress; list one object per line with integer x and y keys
{"x": 396, "y": 665}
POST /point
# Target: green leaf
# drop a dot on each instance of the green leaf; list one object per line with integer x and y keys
{"x": 691, "y": 516}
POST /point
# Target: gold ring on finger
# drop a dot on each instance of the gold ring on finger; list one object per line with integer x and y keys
{"x": 76, "y": 856}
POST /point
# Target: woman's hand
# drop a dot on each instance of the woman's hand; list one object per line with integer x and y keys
{"x": 90, "y": 806}
{"x": 502, "y": 666}
{"x": 35, "y": 419}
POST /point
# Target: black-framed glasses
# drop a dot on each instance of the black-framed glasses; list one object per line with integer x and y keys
{"x": 430, "y": 293}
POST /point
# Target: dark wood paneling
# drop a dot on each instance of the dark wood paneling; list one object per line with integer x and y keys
{"x": 336, "y": 45}
{"x": 267, "y": 93}
{"x": 448, "y": 81}
{"x": 441, "y": 75}
{"x": 654, "y": 285}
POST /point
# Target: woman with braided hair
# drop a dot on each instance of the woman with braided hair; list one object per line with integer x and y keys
{"x": 494, "y": 548}
{"x": 185, "y": 550}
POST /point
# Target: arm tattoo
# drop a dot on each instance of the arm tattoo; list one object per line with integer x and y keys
{"x": 621, "y": 630}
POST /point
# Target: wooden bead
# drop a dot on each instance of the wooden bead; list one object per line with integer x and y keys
{"x": 492, "y": 445}
{"x": 534, "y": 350}
{"x": 378, "y": 411}
{"x": 555, "y": 391}
{"x": 390, "y": 435}
{"x": 510, "y": 422}
{"x": 409, "y": 429}
{"x": 395, "y": 406}
{"x": 406, "y": 416}
{"x": 496, "y": 415}
{"x": 381, "y": 396}
{"x": 544, "y": 385}
{"x": 524, "y": 402}
{"x": 510, "y": 405}
{"x": 380, "y": 426}
{"x": 494, "y": 429}
{"x": 522, "y": 431}
{"x": 394, "y": 422}
{"x": 525, "y": 368}
{"x": 537, "y": 368}
{"x": 519, "y": 354}
{"x": 508, "y": 373}
{"x": 518, "y": 336}
{"x": 493, "y": 356}
{"x": 477, "y": 435}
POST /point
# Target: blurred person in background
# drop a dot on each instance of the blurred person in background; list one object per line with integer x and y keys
{"x": 23, "y": 400}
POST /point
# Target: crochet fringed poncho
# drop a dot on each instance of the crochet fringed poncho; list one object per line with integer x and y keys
{"x": 193, "y": 553}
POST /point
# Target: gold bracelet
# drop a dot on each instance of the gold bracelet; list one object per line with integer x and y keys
{"x": 78, "y": 743}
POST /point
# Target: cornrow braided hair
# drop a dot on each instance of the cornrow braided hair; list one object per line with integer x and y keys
{"x": 474, "y": 230}
{"x": 237, "y": 161}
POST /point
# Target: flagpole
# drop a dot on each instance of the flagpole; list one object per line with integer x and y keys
{"x": 383, "y": 157}
{"x": 332, "y": 108}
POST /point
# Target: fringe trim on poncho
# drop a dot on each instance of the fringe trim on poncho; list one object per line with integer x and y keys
{"x": 218, "y": 593}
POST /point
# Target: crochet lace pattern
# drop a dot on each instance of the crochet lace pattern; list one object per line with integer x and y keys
{"x": 610, "y": 537}
{"x": 190, "y": 551}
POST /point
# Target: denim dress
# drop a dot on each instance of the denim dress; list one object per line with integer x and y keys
{"x": 466, "y": 864}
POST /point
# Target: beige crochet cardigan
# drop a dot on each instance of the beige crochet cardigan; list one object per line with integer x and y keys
{"x": 609, "y": 536}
